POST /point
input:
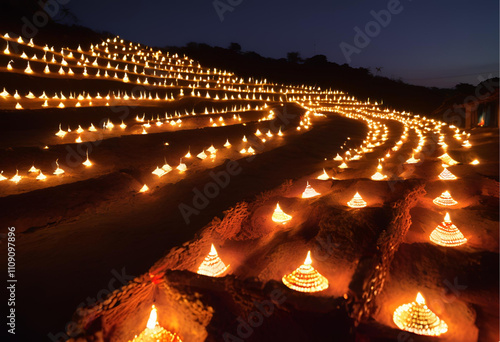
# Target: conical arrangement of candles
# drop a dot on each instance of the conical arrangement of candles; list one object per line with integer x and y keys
{"x": 212, "y": 265}
{"x": 446, "y": 234}
{"x": 447, "y": 160}
{"x": 323, "y": 176}
{"x": 447, "y": 175}
{"x": 444, "y": 200}
{"x": 154, "y": 332}
{"x": 309, "y": 192}
{"x": 377, "y": 176}
{"x": 279, "y": 215}
{"x": 306, "y": 278}
{"x": 357, "y": 201}
{"x": 412, "y": 160}
{"x": 417, "y": 318}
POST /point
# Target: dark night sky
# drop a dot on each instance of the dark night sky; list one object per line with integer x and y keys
{"x": 432, "y": 43}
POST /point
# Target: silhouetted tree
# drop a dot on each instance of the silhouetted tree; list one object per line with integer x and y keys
{"x": 66, "y": 16}
{"x": 293, "y": 57}
{"x": 235, "y": 47}
{"x": 464, "y": 88}
{"x": 318, "y": 60}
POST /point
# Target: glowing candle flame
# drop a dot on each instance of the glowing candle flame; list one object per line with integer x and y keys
{"x": 202, "y": 155}
{"x": 279, "y": 216}
{"x": 16, "y": 178}
{"x": 420, "y": 299}
{"x": 154, "y": 332}
{"x": 308, "y": 260}
{"x": 87, "y": 162}
{"x": 153, "y": 318}
{"x": 212, "y": 149}
{"x": 323, "y": 176}
{"x": 447, "y": 218}
{"x": 41, "y": 176}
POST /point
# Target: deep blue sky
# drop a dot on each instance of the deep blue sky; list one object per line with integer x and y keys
{"x": 432, "y": 43}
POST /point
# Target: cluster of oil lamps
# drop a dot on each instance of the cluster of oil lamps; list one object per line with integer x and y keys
{"x": 415, "y": 317}
{"x": 174, "y": 121}
{"x": 137, "y": 60}
{"x": 136, "y": 64}
{"x": 133, "y": 63}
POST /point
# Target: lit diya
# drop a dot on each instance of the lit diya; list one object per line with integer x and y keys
{"x": 309, "y": 192}
{"x": 417, "y": 318}
{"x": 447, "y": 160}
{"x": 357, "y": 201}
{"x": 447, "y": 175}
{"x": 323, "y": 176}
{"x": 212, "y": 265}
{"x": 154, "y": 332}
{"x": 306, "y": 278}
{"x": 377, "y": 176}
{"x": 87, "y": 162}
{"x": 444, "y": 200}
{"x": 279, "y": 216}
{"x": 412, "y": 160}
{"x": 446, "y": 234}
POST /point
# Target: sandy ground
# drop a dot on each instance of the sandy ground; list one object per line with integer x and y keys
{"x": 74, "y": 260}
